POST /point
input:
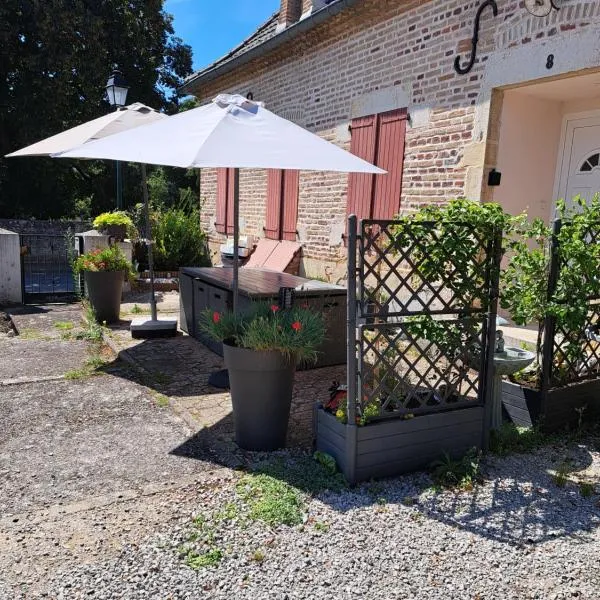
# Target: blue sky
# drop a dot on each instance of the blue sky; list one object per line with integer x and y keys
{"x": 213, "y": 27}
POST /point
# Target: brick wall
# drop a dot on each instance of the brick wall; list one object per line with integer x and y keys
{"x": 379, "y": 47}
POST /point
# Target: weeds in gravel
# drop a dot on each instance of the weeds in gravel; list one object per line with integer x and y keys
{"x": 258, "y": 556}
{"x": 586, "y": 489}
{"x": 513, "y": 440}
{"x": 64, "y": 325}
{"x": 561, "y": 475}
{"x": 160, "y": 400}
{"x": 461, "y": 473}
{"x": 321, "y": 526}
{"x": 138, "y": 310}
{"x": 210, "y": 558}
{"x": 229, "y": 512}
{"x": 303, "y": 472}
{"x": 93, "y": 331}
{"x": 270, "y": 500}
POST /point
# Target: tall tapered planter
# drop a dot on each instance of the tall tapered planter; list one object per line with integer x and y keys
{"x": 103, "y": 290}
{"x": 261, "y": 393}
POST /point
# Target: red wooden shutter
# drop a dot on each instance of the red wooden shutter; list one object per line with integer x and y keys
{"x": 230, "y": 199}
{"x": 221, "y": 206}
{"x": 291, "y": 185}
{"x": 274, "y": 195}
{"x": 390, "y": 156}
{"x": 360, "y": 185}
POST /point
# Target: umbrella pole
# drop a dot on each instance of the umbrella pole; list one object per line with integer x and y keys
{"x": 236, "y": 237}
{"x": 149, "y": 242}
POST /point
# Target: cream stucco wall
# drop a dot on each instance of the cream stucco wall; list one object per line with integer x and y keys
{"x": 529, "y": 139}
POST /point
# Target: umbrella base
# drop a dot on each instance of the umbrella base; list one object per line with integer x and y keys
{"x": 145, "y": 328}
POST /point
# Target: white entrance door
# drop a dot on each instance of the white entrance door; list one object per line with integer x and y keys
{"x": 580, "y": 161}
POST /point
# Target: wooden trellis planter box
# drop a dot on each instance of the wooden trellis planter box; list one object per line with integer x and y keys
{"x": 552, "y": 410}
{"x": 392, "y": 447}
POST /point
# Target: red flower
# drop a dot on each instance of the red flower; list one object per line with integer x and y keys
{"x": 296, "y": 326}
{"x": 274, "y": 308}
{"x": 216, "y": 317}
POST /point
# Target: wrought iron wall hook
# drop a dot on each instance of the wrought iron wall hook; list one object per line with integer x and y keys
{"x": 464, "y": 70}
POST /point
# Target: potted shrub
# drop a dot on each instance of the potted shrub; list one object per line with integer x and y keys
{"x": 551, "y": 280}
{"x": 104, "y": 271}
{"x": 261, "y": 349}
{"x": 116, "y": 224}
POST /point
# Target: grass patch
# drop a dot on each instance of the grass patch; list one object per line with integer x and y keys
{"x": 138, "y": 310}
{"x": 310, "y": 476}
{"x": 516, "y": 440}
{"x": 462, "y": 473}
{"x": 161, "y": 400}
{"x": 228, "y": 513}
{"x": 270, "y": 500}
{"x": 64, "y": 325}
{"x": 586, "y": 489}
{"x": 210, "y": 558}
{"x": 561, "y": 475}
{"x": 33, "y": 334}
{"x": 321, "y": 526}
{"x": 258, "y": 556}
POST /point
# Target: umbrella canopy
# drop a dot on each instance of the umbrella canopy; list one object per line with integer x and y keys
{"x": 120, "y": 120}
{"x": 231, "y": 131}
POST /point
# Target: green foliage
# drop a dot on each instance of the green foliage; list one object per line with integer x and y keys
{"x": 560, "y": 477}
{"x": 272, "y": 501}
{"x": 179, "y": 240}
{"x": 326, "y": 460}
{"x": 524, "y": 282}
{"x": 64, "y": 325}
{"x": 116, "y": 217}
{"x": 448, "y": 241}
{"x": 110, "y": 258}
{"x": 304, "y": 473}
{"x": 93, "y": 331}
{"x": 54, "y": 62}
{"x": 511, "y": 439}
{"x": 463, "y": 473}
{"x": 587, "y": 489}
{"x": 210, "y": 558}
{"x": 296, "y": 333}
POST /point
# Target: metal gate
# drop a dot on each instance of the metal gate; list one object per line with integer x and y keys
{"x": 46, "y": 270}
{"x": 425, "y": 318}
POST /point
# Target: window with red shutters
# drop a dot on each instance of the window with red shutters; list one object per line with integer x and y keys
{"x": 224, "y": 208}
{"x": 379, "y": 139}
{"x": 282, "y": 204}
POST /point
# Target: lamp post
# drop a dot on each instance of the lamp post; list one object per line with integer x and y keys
{"x": 116, "y": 92}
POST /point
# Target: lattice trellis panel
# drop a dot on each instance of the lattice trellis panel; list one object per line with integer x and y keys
{"x": 424, "y": 316}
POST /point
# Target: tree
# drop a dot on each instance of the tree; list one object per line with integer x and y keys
{"x": 55, "y": 57}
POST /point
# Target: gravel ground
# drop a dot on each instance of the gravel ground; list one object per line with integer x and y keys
{"x": 517, "y": 536}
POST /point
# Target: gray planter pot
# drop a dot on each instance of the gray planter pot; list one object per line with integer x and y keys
{"x": 261, "y": 394}
{"x": 103, "y": 290}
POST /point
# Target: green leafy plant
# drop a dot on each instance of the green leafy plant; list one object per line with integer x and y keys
{"x": 525, "y": 280}
{"x": 272, "y": 501}
{"x": 117, "y": 217}
{"x": 326, "y": 460}
{"x": 296, "y": 332}
{"x": 463, "y": 473}
{"x": 511, "y": 439}
{"x": 210, "y": 558}
{"x": 110, "y": 258}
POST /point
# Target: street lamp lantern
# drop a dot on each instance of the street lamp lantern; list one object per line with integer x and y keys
{"x": 116, "y": 89}
{"x": 116, "y": 92}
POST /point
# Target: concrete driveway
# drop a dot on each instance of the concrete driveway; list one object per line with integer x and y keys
{"x": 86, "y": 460}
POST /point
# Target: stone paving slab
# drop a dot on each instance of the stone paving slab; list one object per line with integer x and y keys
{"x": 66, "y": 440}
{"x": 23, "y": 360}
{"x": 40, "y": 321}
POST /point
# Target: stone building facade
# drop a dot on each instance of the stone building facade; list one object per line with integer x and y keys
{"x": 533, "y": 88}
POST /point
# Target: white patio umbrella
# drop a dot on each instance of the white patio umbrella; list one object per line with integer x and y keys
{"x": 123, "y": 119}
{"x": 127, "y": 117}
{"x": 233, "y": 132}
